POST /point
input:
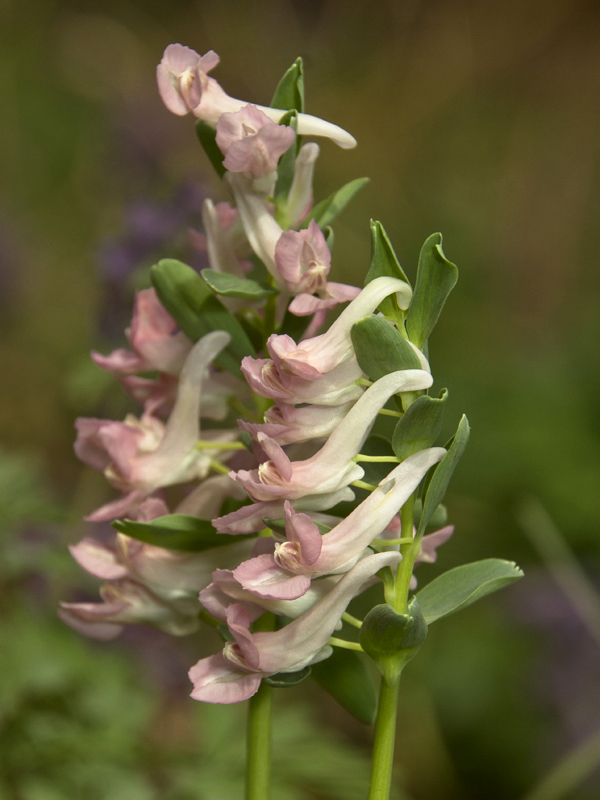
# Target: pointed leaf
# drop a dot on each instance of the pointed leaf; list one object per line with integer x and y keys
{"x": 380, "y": 348}
{"x": 207, "y": 137}
{"x": 191, "y": 303}
{"x": 290, "y": 89}
{"x": 346, "y": 677}
{"x": 283, "y": 680}
{"x": 285, "y": 173}
{"x": 327, "y": 210}
{"x": 461, "y": 586}
{"x": 420, "y": 426}
{"x": 384, "y": 262}
{"x": 385, "y": 633}
{"x": 436, "y": 277}
{"x": 436, "y": 485}
{"x": 177, "y": 532}
{"x": 231, "y": 286}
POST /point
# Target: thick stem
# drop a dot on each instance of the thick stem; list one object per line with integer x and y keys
{"x": 385, "y": 737}
{"x": 258, "y": 758}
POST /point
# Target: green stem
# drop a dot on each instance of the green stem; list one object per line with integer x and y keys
{"x": 344, "y": 644}
{"x": 385, "y": 736}
{"x": 258, "y": 759}
{"x": 362, "y": 485}
{"x": 409, "y": 551}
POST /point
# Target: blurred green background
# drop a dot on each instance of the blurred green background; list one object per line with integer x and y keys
{"x": 478, "y": 119}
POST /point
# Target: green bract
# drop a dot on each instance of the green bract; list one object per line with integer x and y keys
{"x": 420, "y": 426}
{"x": 345, "y": 676}
{"x": 436, "y": 277}
{"x": 435, "y": 486}
{"x": 327, "y": 210}
{"x": 196, "y": 310}
{"x": 176, "y": 532}
{"x": 290, "y": 89}
{"x": 384, "y": 262}
{"x": 231, "y": 286}
{"x": 380, "y": 348}
{"x": 385, "y": 633}
{"x": 461, "y": 586}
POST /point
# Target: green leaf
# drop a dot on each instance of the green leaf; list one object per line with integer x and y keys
{"x": 231, "y": 286}
{"x": 283, "y": 680}
{"x": 380, "y": 348}
{"x": 191, "y": 303}
{"x": 436, "y": 277}
{"x": 285, "y": 173}
{"x": 346, "y": 677}
{"x": 384, "y": 262}
{"x": 207, "y": 137}
{"x": 177, "y": 532}
{"x": 386, "y": 633}
{"x": 327, "y": 210}
{"x": 290, "y": 89}
{"x": 461, "y": 586}
{"x": 436, "y": 485}
{"x": 420, "y": 426}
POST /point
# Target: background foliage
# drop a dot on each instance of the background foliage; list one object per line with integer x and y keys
{"x": 480, "y": 120}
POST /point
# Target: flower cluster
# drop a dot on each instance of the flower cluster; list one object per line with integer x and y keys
{"x": 257, "y": 525}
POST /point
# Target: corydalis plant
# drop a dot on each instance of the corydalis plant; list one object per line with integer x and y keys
{"x": 323, "y": 477}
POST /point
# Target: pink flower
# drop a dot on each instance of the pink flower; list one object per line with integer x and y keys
{"x": 235, "y": 674}
{"x": 249, "y": 519}
{"x": 303, "y": 261}
{"x": 225, "y": 590}
{"x": 252, "y": 143}
{"x": 332, "y": 467}
{"x": 335, "y": 388}
{"x": 286, "y": 424}
{"x": 184, "y": 86}
{"x": 126, "y": 602}
{"x": 140, "y": 456}
{"x": 314, "y": 357}
{"x": 287, "y": 574}
{"x": 156, "y": 342}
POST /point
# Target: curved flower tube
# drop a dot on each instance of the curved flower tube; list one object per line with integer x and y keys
{"x": 286, "y": 424}
{"x": 140, "y": 457}
{"x": 287, "y": 573}
{"x": 184, "y": 86}
{"x": 332, "y": 467}
{"x": 235, "y": 674}
{"x": 313, "y": 357}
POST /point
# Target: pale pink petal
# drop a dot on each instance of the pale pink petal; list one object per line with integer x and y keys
{"x": 152, "y": 508}
{"x": 88, "y": 445}
{"x": 301, "y": 529}
{"x": 238, "y": 622}
{"x": 263, "y": 577}
{"x": 121, "y": 361}
{"x": 97, "y": 559}
{"x": 104, "y": 631}
{"x": 117, "y": 508}
{"x": 217, "y": 681}
{"x": 155, "y": 336}
{"x": 431, "y": 542}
